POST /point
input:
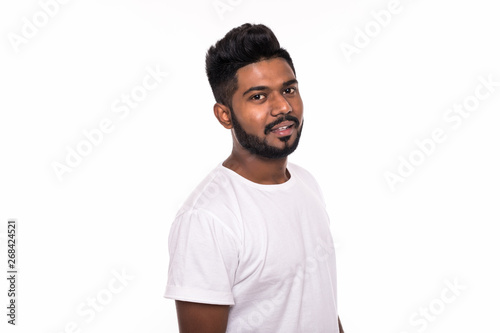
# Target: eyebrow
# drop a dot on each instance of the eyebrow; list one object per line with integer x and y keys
{"x": 287, "y": 83}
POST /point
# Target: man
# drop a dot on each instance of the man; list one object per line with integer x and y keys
{"x": 250, "y": 249}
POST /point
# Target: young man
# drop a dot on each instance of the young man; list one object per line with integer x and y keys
{"x": 251, "y": 249}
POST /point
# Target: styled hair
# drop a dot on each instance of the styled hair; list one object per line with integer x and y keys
{"x": 243, "y": 45}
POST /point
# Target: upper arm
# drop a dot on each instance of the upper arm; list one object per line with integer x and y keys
{"x": 203, "y": 262}
{"x": 204, "y": 258}
{"x": 199, "y": 317}
{"x": 341, "y": 329}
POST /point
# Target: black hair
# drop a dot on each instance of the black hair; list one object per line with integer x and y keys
{"x": 243, "y": 45}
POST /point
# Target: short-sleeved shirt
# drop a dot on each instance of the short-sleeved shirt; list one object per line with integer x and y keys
{"x": 265, "y": 250}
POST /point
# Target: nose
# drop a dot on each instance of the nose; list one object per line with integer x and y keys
{"x": 280, "y": 105}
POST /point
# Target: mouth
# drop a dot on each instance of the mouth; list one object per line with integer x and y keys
{"x": 283, "y": 130}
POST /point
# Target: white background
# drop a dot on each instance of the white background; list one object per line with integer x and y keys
{"x": 112, "y": 213}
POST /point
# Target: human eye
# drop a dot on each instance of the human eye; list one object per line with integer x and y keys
{"x": 290, "y": 90}
{"x": 258, "y": 97}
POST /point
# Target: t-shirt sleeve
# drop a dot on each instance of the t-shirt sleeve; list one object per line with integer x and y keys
{"x": 316, "y": 189}
{"x": 311, "y": 181}
{"x": 203, "y": 259}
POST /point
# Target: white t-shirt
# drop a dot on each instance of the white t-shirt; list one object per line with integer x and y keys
{"x": 266, "y": 250}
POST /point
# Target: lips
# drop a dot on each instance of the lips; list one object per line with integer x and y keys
{"x": 282, "y": 126}
{"x": 283, "y": 130}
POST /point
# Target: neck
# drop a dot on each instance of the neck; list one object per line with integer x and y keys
{"x": 258, "y": 169}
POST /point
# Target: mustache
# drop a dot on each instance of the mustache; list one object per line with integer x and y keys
{"x": 280, "y": 120}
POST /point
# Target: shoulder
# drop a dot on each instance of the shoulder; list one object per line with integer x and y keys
{"x": 307, "y": 179}
{"x": 196, "y": 221}
{"x": 213, "y": 200}
{"x": 302, "y": 173}
{"x": 212, "y": 189}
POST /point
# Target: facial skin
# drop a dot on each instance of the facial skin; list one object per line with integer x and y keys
{"x": 260, "y": 146}
{"x": 267, "y": 95}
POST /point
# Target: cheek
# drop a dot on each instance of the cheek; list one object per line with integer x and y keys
{"x": 256, "y": 118}
{"x": 260, "y": 118}
{"x": 297, "y": 105}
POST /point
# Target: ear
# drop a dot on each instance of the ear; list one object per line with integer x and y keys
{"x": 223, "y": 115}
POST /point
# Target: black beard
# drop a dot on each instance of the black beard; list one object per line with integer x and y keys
{"x": 260, "y": 147}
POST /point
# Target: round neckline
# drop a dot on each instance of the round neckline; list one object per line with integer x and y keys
{"x": 268, "y": 187}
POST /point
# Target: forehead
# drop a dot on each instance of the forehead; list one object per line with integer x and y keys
{"x": 268, "y": 72}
